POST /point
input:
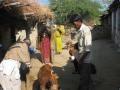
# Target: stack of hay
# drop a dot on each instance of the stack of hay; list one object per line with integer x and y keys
{"x": 28, "y": 9}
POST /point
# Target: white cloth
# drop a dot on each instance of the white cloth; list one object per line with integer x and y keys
{"x": 72, "y": 58}
{"x": 8, "y": 84}
{"x": 9, "y": 75}
{"x": 10, "y": 66}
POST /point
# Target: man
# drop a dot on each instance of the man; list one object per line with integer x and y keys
{"x": 82, "y": 56}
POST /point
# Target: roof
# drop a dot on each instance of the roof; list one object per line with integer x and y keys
{"x": 115, "y": 4}
{"x": 27, "y": 9}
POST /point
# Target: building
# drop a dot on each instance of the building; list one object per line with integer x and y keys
{"x": 111, "y": 21}
{"x": 18, "y": 19}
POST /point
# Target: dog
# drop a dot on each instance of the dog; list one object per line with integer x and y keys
{"x": 47, "y": 79}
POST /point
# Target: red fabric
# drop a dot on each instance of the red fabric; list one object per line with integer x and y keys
{"x": 45, "y": 49}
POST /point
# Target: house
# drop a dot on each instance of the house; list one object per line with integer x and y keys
{"x": 114, "y": 8}
{"x": 106, "y": 24}
{"x": 8, "y": 24}
{"x": 19, "y": 19}
{"x": 111, "y": 21}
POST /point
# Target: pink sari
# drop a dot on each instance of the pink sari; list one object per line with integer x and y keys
{"x": 45, "y": 49}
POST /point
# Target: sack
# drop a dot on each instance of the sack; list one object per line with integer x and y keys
{"x": 24, "y": 69}
{"x": 31, "y": 50}
{"x": 93, "y": 69}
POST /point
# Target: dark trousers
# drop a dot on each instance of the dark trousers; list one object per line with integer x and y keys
{"x": 85, "y": 76}
{"x": 76, "y": 65}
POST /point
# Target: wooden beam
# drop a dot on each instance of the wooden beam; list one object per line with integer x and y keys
{"x": 27, "y": 14}
{"x": 22, "y": 5}
{"x": 12, "y": 4}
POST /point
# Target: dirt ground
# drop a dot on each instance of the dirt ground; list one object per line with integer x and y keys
{"x": 32, "y": 76}
{"x": 61, "y": 66}
{"x": 105, "y": 57}
{"x": 107, "y": 61}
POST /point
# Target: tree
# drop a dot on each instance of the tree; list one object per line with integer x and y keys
{"x": 89, "y": 9}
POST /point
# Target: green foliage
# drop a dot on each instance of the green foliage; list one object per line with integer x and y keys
{"x": 89, "y": 9}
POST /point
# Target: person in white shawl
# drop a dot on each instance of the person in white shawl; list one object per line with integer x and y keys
{"x": 9, "y": 67}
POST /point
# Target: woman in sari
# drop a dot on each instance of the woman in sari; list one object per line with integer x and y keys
{"x": 44, "y": 45}
{"x": 58, "y": 38}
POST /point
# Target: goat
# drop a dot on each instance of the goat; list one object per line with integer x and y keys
{"x": 47, "y": 79}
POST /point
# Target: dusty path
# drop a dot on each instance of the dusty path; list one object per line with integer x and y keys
{"x": 107, "y": 60}
{"x": 105, "y": 57}
{"x": 64, "y": 68}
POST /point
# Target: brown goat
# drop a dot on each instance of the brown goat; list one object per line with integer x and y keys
{"x": 47, "y": 79}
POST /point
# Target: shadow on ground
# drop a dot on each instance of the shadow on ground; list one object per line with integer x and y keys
{"x": 67, "y": 80}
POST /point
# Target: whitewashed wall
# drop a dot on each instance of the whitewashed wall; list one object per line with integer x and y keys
{"x": 117, "y": 34}
{"x": 113, "y": 25}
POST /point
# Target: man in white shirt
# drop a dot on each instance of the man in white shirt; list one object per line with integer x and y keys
{"x": 82, "y": 58}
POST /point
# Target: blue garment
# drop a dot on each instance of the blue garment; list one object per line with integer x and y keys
{"x": 31, "y": 50}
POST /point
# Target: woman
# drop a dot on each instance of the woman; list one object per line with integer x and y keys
{"x": 44, "y": 45}
{"x": 58, "y": 38}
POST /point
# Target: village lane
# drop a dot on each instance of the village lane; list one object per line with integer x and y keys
{"x": 106, "y": 59}
{"x": 64, "y": 68}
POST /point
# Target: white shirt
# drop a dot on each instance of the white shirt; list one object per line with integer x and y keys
{"x": 84, "y": 39}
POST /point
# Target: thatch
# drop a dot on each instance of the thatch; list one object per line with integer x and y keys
{"x": 28, "y": 8}
{"x": 21, "y": 1}
{"x": 42, "y": 13}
